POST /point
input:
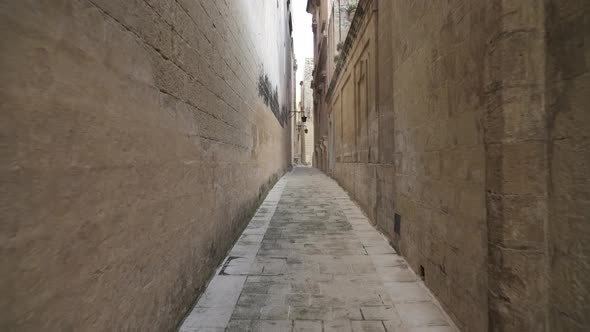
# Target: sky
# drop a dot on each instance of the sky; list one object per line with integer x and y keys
{"x": 302, "y": 37}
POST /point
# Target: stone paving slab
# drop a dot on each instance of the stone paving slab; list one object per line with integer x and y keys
{"x": 310, "y": 261}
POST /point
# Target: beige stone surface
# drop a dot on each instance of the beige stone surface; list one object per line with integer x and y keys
{"x": 568, "y": 100}
{"x": 469, "y": 120}
{"x": 409, "y": 140}
{"x": 135, "y": 147}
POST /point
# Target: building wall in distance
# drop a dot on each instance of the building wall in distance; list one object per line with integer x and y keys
{"x": 568, "y": 89}
{"x": 337, "y": 30}
{"x": 308, "y": 108}
{"x": 138, "y": 137}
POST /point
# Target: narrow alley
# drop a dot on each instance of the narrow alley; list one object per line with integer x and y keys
{"x": 294, "y": 165}
{"x": 309, "y": 260}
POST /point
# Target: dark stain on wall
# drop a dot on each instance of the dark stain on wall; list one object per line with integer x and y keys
{"x": 270, "y": 96}
{"x": 285, "y": 115}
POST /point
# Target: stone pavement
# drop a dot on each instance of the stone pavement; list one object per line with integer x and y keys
{"x": 310, "y": 261}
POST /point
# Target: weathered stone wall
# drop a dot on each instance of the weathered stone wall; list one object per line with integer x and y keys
{"x": 537, "y": 162}
{"x": 320, "y": 20}
{"x": 568, "y": 100}
{"x": 337, "y": 30}
{"x": 516, "y": 167}
{"x": 136, "y": 143}
{"x": 439, "y": 174}
{"x": 469, "y": 125}
{"x": 409, "y": 141}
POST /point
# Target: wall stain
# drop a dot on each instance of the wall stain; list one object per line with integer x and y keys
{"x": 270, "y": 96}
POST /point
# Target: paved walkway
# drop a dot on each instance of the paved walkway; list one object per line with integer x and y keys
{"x": 310, "y": 261}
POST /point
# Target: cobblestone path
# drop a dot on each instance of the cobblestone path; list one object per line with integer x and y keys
{"x": 310, "y": 261}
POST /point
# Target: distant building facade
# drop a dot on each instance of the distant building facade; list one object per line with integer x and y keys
{"x": 331, "y": 20}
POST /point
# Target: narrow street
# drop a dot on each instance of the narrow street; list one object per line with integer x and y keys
{"x": 310, "y": 165}
{"x": 310, "y": 261}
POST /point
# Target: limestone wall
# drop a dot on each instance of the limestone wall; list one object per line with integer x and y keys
{"x": 516, "y": 167}
{"x": 568, "y": 100}
{"x": 137, "y": 139}
{"x": 464, "y": 120}
{"x": 409, "y": 141}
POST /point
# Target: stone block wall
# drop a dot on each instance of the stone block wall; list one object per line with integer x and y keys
{"x": 568, "y": 99}
{"x": 137, "y": 139}
{"x": 409, "y": 141}
{"x": 470, "y": 127}
{"x": 516, "y": 167}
